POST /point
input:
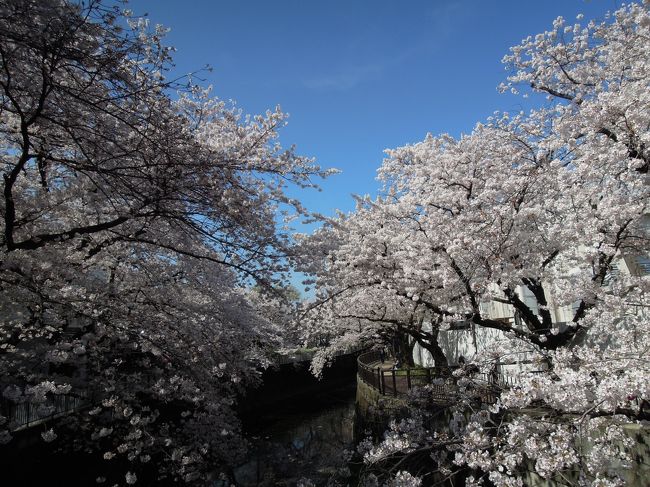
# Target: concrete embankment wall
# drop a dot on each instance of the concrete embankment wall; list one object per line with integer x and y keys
{"x": 371, "y": 401}
{"x": 375, "y": 410}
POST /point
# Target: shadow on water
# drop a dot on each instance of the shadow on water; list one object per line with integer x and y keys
{"x": 302, "y": 438}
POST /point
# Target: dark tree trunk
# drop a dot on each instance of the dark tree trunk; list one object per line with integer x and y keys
{"x": 404, "y": 349}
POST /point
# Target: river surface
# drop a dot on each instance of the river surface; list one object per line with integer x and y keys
{"x": 305, "y": 438}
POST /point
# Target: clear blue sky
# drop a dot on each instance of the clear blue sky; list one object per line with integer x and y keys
{"x": 358, "y": 76}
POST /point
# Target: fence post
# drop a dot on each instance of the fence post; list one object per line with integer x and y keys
{"x": 428, "y": 375}
{"x": 394, "y": 382}
{"x": 379, "y": 378}
{"x": 408, "y": 379}
{"x": 382, "y": 387}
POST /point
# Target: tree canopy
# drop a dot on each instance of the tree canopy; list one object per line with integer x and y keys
{"x": 134, "y": 209}
{"x": 536, "y": 212}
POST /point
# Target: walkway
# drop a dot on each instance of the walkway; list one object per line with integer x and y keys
{"x": 388, "y": 380}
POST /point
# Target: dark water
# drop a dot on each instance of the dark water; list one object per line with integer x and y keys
{"x": 305, "y": 438}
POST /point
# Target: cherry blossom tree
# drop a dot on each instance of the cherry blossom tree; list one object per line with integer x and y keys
{"x": 535, "y": 211}
{"x": 132, "y": 218}
{"x": 357, "y": 302}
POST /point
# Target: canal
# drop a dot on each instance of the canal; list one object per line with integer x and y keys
{"x": 304, "y": 437}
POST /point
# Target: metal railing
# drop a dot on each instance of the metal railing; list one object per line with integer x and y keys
{"x": 26, "y": 414}
{"x": 391, "y": 381}
{"x": 444, "y": 388}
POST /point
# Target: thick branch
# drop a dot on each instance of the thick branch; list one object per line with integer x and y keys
{"x": 552, "y": 92}
{"x": 38, "y": 241}
{"x": 531, "y": 320}
{"x": 466, "y": 282}
{"x": 537, "y": 289}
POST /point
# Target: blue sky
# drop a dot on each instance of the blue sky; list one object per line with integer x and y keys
{"x": 358, "y": 76}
